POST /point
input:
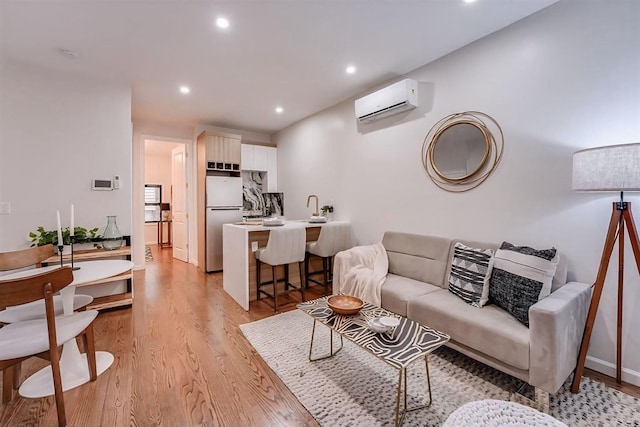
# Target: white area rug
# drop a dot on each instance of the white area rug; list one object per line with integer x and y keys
{"x": 354, "y": 388}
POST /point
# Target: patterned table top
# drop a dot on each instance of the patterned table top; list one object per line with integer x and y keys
{"x": 399, "y": 347}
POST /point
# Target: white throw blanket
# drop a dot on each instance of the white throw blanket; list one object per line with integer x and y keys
{"x": 361, "y": 271}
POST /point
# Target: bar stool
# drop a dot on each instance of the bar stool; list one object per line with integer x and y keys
{"x": 286, "y": 245}
{"x": 334, "y": 237}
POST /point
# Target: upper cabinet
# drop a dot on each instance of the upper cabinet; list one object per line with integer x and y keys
{"x": 272, "y": 170}
{"x": 223, "y": 151}
{"x": 262, "y": 159}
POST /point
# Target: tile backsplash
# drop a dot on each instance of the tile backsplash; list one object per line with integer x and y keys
{"x": 254, "y": 201}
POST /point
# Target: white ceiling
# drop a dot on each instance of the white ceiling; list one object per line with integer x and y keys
{"x": 276, "y": 52}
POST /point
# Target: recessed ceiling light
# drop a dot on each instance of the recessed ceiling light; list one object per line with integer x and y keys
{"x": 184, "y": 89}
{"x": 279, "y": 110}
{"x": 469, "y": 1}
{"x": 351, "y": 69}
{"x": 222, "y": 22}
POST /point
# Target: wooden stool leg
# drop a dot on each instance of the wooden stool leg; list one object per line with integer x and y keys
{"x": 275, "y": 292}
{"x": 330, "y": 269}
{"x": 325, "y": 279}
{"x": 286, "y": 277}
{"x": 258, "y": 268}
{"x": 306, "y": 269}
{"x": 301, "y": 282}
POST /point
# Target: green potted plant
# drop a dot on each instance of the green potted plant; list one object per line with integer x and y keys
{"x": 326, "y": 210}
{"x": 82, "y": 235}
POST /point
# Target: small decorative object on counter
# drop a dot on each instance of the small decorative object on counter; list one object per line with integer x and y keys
{"x": 112, "y": 237}
{"x": 327, "y": 211}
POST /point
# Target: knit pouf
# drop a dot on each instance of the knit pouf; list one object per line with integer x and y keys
{"x": 498, "y": 413}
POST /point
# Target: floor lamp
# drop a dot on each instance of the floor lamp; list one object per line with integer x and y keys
{"x": 612, "y": 168}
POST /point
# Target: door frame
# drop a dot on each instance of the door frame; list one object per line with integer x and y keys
{"x": 138, "y": 196}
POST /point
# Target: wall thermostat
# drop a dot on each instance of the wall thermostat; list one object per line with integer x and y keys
{"x": 102, "y": 184}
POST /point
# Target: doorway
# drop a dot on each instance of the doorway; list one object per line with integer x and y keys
{"x": 165, "y": 177}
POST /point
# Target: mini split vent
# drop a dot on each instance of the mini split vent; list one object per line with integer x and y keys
{"x": 398, "y": 97}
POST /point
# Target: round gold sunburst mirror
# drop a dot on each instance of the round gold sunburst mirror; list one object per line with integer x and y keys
{"x": 460, "y": 151}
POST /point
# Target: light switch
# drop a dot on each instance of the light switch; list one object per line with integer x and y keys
{"x": 254, "y": 246}
{"x": 5, "y": 207}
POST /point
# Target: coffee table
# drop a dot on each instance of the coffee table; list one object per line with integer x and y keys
{"x": 403, "y": 345}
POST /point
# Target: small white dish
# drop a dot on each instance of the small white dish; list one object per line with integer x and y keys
{"x": 388, "y": 321}
{"x": 271, "y": 222}
{"x": 375, "y": 325}
{"x": 318, "y": 219}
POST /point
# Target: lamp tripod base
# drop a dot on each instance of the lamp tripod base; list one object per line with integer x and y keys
{"x": 620, "y": 216}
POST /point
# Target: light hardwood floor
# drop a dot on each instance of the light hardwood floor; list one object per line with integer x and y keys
{"x": 180, "y": 360}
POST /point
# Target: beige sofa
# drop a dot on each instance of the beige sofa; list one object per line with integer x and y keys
{"x": 543, "y": 355}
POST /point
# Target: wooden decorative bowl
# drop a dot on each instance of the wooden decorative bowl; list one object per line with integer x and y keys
{"x": 345, "y": 304}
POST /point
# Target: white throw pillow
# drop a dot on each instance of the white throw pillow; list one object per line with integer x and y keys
{"x": 470, "y": 274}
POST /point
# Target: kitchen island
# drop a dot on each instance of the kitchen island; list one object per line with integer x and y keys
{"x": 239, "y": 242}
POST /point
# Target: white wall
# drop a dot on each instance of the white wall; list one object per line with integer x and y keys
{"x": 57, "y": 132}
{"x": 561, "y": 80}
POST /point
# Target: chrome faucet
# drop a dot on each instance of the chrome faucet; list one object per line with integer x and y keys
{"x": 309, "y": 199}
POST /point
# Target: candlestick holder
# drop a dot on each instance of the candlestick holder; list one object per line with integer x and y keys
{"x": 73, "y": 240}
{"x": 60, "y": 249}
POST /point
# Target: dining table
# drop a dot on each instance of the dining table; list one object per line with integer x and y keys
{"x": 73, "y": 364}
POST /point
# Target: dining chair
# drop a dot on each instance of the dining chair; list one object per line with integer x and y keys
{"x": 34, "y": 310}
{"x": 42, "y": 337}
{"x": 27, "y": 258}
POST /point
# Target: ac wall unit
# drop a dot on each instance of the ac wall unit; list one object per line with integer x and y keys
{"x": 398, "y": 97}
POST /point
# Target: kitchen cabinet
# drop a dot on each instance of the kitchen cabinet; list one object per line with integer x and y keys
{"x": 262, "y": 159}
{"x": 272, "y": 170}
{"x": 247, "y": 157}
{"x": 223, "y": 151}
{"x": 254, "y": 157}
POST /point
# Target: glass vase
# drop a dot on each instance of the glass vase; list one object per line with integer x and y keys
{"x": 111, "y": 237}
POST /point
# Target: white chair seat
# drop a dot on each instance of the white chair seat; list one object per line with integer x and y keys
{"x": 35, "y": 310}
{"x": 334, "y": 237}
{"x": 285, "y": 246}
{"x": 12, "y": 336}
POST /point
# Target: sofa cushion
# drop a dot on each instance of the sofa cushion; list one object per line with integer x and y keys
{"x": 489, "y": 330}
{"x": 521, "y": 277}
{"x": 422, "y": 258}
{"x": 470, "y": 273}
{"x": 397, "y": 290}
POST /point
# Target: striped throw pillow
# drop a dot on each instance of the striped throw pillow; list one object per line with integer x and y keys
{"x": 470, "y": 273}
{"x": 521, "y": 277}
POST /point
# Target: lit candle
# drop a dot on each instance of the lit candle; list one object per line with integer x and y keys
{"x": 71, "y": 229}
{"x": 60, "y": 242}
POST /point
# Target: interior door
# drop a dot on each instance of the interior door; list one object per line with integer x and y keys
{"x": 179, "y": 203}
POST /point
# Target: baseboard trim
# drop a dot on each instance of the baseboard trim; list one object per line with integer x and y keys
{"x": 609, "y": 369}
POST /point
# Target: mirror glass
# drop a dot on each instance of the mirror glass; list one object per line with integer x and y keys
{"x": 459, "y": 151}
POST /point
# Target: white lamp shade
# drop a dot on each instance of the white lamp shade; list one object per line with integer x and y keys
{"x": 610, "y": 168}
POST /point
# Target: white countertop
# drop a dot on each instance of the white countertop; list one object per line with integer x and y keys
{"x": 288, "y": 223}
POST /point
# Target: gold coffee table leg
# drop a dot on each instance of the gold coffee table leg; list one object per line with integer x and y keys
{"x": 402, "y": 377}
{"x": 331, "y": 352}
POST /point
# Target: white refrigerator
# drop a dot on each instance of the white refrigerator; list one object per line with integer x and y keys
{"x": 224, "y": 205}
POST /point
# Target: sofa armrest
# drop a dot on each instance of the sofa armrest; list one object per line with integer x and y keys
{"x": 556, "y": 325}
